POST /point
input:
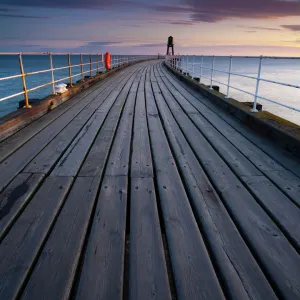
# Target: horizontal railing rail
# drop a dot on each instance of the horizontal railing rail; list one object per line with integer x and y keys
{"x": 182, "y": 63}
{"x": 94, "y": 65}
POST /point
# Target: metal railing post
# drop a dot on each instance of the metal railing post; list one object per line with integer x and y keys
{"x": 229, "y": 75}
{"x": 24, "y": 82}
{"x": 52, "y": 73}
{"x": 81, "y": 67}
{"x": 193, "y": 70}
{"x": 254, "y": 109}
{"x": 91, "y": 72}
{"x": 212, "y": 72}
{"x": 97, "y": 55}
{"x": 201, "y": 68}
{"x": 70, "y": 69}
{"x": 181, "y": 63}
{"x": 187, "y": 65}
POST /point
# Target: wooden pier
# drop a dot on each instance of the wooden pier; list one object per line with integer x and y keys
{"x": 140, "y": 188}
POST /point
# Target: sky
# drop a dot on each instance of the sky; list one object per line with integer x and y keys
{"x": 200, "y": 27}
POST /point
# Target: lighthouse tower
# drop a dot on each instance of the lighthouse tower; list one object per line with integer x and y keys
{"x": 170, "y": 45}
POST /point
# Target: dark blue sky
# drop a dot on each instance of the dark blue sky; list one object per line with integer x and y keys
{"x": 142, "y": 26}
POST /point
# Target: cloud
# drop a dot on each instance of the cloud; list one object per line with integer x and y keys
{"x": 184, "y": 23}
{"x": 135, "y": 26}
{"x": 292, "y": 27}
{"x": 76, "y": 4}
{"x": 151, "y": 45}
{"x": 250, "y": 31}
{"x": 260, "y": 28}
{"x": 100, "y": 44}
{"x": 218, "y": 10}
{"x": 91, "y": 46}
{"x": 196, "y": 10}
{"x": 295, "y": 41}
{"x": 6, "y": 10}
{"x": 22, "y": 16}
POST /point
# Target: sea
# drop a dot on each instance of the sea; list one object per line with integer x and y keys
{"x": 280, "y": 70}
{"x": 9, "y": 66}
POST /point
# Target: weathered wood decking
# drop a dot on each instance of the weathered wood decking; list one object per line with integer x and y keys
{"x": 139, "y": 188}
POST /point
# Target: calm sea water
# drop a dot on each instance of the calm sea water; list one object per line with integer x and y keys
{"x": 9, "y": 65}
{"x": 282, "y": 70}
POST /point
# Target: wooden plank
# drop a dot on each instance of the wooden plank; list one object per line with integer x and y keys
{"x": 284, "y": 212}
{"x": 141, "y": 162}
{"x": 193, "y": 272}
{"x": 279, "y": 207}
{"x": 54, "y": 274}
{"x": 275, "y": 254}
{"x": 96, "y": 158}
{"x": 51, "y": 153}
{"x": 260, "y": 160}
{"x": 241, "y": 275}
{"x": 15, "y": 141}
{"x": 18, "y": 160}
{"x": 45, "y": 160}
{"x": 152, "y": 75}
{"x": 148, "y": 278}
{"x": 73, "y": 158}
{"x": 103, "y": 262}
{"x": 15, "y": 197}
{"x": 71, "y": 161}
{"x": 289, "y": 183}
{"x": 285, "y": 158}
{"x": 241, "y": 166}
{"x": 21, "y": 246}
{"x": 95, "y": 161}
{"x": 118, "y": 162}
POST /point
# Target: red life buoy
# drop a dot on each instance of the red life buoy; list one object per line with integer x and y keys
{"x": 107, "y": 61}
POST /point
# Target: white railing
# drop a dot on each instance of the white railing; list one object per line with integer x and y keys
{"x": 96, "y": 65}
{"x": 183, "y": 63}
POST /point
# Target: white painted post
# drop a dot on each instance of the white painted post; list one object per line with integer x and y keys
{"x": 229, "y": 74}
{"x": 81, "y": 67}
{"x": 254, "y": 109}
{"x": 201, "y": 68}
{"x": 52, "y": 73}
{"x": 212, "y": 72}
{"x": 187, "y": 65}
{"x": 193, "y": 71}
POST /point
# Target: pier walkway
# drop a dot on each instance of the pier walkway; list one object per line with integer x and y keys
{"x": 140, "y": 188}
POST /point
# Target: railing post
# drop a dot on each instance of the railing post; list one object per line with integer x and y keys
{"x": 229, "y": 75}
{"x": 212, "y": 72}
{"x": 201, "y": 68}
{"x": 24, "y": 82}
{"x": 254, "y": 109}
{"x": 193, "y": 70}
{"x": 181, "y": 63}
{"x": 97, "y": 55}
{"x": 70, "y": 69}
{"x": 81, "y": 67}
{"x": 52, "y": 73}
{"x": 91, "y": 72}
{"x": 187, "y": 65}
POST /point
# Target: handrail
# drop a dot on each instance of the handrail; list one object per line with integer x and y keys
{"x": 95, "y": 65}
{"x": 175, "y": 62}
